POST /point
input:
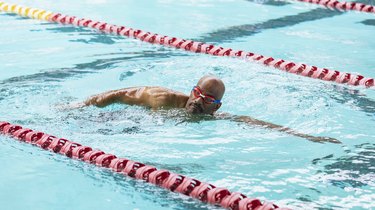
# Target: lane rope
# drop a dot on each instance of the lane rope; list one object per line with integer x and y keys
{"x": 163, "y": 178}
{"x": 192, "y": 46}
{"x": 343, "y": 6}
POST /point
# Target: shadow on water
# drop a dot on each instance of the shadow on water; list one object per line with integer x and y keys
{"x": 369, "y": 22}
{"x": 96, "y": 36}
{"x": 355, "y": 169}
{"x": 14, "y": 15}
{"x": 53, "y": 75}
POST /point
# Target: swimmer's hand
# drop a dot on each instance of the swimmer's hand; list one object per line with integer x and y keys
{"x": 96, "y": 100}
{"x": 322, "y": 139}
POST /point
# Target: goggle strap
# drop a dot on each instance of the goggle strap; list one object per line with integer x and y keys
{"x": 196, "y": 88}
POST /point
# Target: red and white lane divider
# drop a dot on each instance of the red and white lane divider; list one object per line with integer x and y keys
{"x": 174, "y": 182}
{"x": 343, "y": 6}
{"x": 193, "y": 46}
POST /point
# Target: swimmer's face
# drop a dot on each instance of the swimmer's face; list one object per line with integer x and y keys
{"x": 205, "y": 97}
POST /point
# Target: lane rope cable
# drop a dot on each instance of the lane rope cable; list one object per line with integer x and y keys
{"x": 163, "y": 178}
{"x": 343, "y": 6}
{"x": 193, "y": 46}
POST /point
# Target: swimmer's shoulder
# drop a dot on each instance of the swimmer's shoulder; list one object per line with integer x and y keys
{"x": 164, "y": 97}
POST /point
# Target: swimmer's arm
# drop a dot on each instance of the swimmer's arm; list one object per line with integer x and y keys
{"x": 253, "y": 121}
{"x": 127, "y": 96}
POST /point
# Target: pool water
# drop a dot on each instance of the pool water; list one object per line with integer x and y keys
{"x": 45, "y": 66}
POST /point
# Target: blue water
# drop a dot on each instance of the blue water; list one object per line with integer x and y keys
{"x": 45, "y": 66}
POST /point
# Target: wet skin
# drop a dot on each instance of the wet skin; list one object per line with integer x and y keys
{"x": 163, "y": 98}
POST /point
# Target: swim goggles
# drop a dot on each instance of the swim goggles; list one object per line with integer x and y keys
{"x": 197, "y": 92}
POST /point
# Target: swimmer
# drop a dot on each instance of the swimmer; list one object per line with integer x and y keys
{"x": 204, "y": 98}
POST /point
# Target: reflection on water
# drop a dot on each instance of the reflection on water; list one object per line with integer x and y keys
{"x": 345, "y": 95}
{"x": 234, "y": 32}
{"x": 270, "y": 2}
{"x": 95, "y": 36}
{"x": 355, "y": 169}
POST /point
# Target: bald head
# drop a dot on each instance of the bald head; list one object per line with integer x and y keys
{"x": 212, "y": 84}
{"x": 205, "y": 99}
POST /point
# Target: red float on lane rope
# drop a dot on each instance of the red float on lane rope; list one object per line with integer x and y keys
{"x": 163, "y": 178}
{"x": 342, "y": 6}
{"x": 199, "y": 47}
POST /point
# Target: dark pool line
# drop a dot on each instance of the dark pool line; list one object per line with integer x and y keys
{"x": 269, "y": 2}
{"x": 147, "y": 191}
{"x": 86, "y": 68}
{"x": 235, "y": 32}
{"x": 14, "y": 15}
{"x": 360, "y": 161}
{"x": 368, "y": 22}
